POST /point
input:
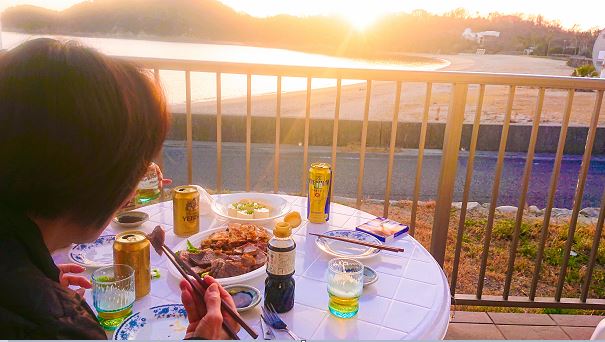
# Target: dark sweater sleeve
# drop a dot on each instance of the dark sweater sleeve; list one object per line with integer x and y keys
{"x": 79, "y": 322}
{"x": 32, "y": 306}
{"x": 70, "y": 319}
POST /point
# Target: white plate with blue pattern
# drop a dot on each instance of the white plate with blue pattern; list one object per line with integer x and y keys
{"x": 94, "y": 254}
{"x": 163, "y": 322}
{"x": 343, "y": 249}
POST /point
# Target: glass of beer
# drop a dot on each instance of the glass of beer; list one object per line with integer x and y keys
{"x": 345, "y": 284}
{"x": 148, "y": 188}
{"x": 113, "y": 294}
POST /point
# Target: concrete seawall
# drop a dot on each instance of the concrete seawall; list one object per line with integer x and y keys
{"x": 379, "y": 132}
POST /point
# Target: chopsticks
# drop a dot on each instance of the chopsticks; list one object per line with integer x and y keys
{"x": 358, "y": 242}
{"x": 185, "y": 270}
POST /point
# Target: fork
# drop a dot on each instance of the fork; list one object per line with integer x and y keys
{"x": 270, "y": 317}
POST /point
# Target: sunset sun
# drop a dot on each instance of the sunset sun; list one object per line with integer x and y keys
{"x": 361, "y": 17}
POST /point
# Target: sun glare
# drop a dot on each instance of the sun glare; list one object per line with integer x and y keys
{"x": 360, "y": 16}
{"x": 360, "y": 19}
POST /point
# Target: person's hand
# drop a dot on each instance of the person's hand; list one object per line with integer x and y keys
{"x": 130, "y": 203}
{"x": 206, "y": 317}
{"x": 163, "y": 181}
{"x": 67, "y": 278}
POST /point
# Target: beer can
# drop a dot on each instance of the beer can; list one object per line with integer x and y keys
{"x": 320, "y": 190}
{"x": 132, "y": 248}
{"x": 186, "y": 210}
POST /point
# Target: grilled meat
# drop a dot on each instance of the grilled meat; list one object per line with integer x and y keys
{"x": 239, "y": 249}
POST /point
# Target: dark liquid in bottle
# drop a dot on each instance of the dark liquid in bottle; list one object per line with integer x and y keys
{"x": 279, "y": 292}
{"x": 279, "y": 289}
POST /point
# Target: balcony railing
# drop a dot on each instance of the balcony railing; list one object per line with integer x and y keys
{"x": 460, "y": 82}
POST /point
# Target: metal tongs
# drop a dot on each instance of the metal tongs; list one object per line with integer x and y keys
{"x": 157, "y": 241}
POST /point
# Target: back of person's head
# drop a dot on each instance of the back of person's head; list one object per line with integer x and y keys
{"x": 77, "y": 130}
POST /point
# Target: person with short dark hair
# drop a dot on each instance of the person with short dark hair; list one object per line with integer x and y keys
{"x": 78, "y": 130}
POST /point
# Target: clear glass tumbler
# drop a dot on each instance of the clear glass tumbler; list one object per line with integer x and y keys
{"x": 345, "y": 285}
{"x": 113, "y": 293}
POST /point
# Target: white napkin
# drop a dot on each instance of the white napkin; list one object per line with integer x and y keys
{"x": 205, "y": 200}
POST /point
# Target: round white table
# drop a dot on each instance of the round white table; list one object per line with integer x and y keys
{"x": 410, "y": 300}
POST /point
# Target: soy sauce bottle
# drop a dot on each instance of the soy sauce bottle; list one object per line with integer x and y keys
{"x": 279, "y": 285}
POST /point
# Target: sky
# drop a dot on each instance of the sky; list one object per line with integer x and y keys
{"x": 363, "y": 12}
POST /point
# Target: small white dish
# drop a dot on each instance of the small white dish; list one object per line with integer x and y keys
{"x": 277, "y": 205}
{"x": 164, "y": 322}
{"x": 245, "y": 297}
{"x": 343, "y": 249}
{"x": 369, "y": 276}
{"x": 130, "y": 219}
{"x": 95, "y": 254}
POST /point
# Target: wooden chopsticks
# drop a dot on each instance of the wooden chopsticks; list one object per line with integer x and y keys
{"x": 358, "y": 242}
{"x": 185, "y": 270}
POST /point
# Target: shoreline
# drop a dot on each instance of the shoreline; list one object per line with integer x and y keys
{"x": 379, "y": 57}
{"x": 412, "y": 97}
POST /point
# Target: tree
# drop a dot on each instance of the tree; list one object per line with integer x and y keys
{"x": 459, "y": 13}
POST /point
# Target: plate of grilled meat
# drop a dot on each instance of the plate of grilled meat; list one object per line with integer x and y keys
{"x": 231, "y": 254}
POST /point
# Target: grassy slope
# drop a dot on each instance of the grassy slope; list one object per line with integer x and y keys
{"x": 472, "y": 248}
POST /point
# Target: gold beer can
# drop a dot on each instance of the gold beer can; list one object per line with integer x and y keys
{"x": 132, "y": 248}
{"x": 186, "y": 210}
{"x": 320, "y": 189}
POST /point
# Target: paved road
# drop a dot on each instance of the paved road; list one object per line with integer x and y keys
{"x": 204, "y": 173}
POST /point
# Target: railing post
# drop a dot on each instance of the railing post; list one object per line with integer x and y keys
{"x": 189, "y": 127}
{"x": 419, "y": 160}
{"x": 447, "y": 177}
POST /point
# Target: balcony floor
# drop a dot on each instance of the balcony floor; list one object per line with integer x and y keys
{"x": 520, "y": 326}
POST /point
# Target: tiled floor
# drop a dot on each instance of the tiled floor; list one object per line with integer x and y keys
{"x": 513, "y": 326}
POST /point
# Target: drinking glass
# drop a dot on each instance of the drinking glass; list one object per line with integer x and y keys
{"x": 113, "y": 294}
{"x": 148, "y": 188}
{"x": 345, "y": 284}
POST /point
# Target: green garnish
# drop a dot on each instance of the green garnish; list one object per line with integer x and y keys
{"x": 191, "y": 248}
{"x": 155, "y": 273}
{"x": 247, "y": 207}
{"x": 104, "y": 279}
{"x": 202, "y": 274}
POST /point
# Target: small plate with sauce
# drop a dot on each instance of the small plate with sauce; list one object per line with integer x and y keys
{"x": 130, "y": 219}
{"x": 245, "y": 297}
{"x": 369, "y": 276}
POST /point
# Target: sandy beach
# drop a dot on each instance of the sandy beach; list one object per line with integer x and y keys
{"x": 412, "y": 99}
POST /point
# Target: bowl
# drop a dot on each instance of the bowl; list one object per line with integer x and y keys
{"x": 130, "y": 219}
{"x": 245, "y": 297}
{"x": 277, "y": 205}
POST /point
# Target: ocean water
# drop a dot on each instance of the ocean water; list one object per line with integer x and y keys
{"x": 204, "y": 84}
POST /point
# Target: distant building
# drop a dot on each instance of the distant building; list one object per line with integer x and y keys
{"x": 480, "y": 37}
{"x": 529, "y": 51}
{"x": 598, "y": 53}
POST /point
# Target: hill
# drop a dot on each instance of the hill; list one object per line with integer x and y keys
{"x": 211, "y": 20}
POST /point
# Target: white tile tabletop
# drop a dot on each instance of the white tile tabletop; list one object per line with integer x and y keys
{"x": 409, "y": 301}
